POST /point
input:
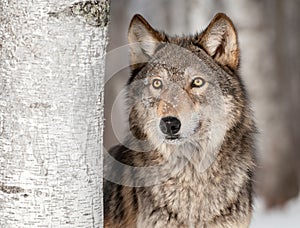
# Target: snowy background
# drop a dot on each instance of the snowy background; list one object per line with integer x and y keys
{"x": 289, "y": 216}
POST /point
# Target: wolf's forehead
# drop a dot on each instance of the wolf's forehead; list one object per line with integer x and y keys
{"x": 168, "y": 72}
{"x": 166, "y": 69}
{"x": 176, "y": 62}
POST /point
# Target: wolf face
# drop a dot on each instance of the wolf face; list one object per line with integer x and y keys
{"x": 181, "y": 89}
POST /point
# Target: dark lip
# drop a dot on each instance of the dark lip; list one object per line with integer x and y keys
{"x": 172, "y": 137}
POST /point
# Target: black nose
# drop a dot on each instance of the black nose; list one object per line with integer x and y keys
{"x": 170, "y": 125}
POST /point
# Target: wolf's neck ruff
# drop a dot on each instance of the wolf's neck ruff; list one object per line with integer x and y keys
{"x": 188, "y": 158}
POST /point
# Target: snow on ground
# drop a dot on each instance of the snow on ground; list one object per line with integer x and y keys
{"x": 287, "y": 217}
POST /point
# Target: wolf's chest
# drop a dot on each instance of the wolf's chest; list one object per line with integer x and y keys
{"x": 177, "y": 200}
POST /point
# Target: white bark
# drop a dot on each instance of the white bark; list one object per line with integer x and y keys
{"x": 51, "y": 93}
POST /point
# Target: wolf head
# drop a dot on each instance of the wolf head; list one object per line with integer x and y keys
{"x": 184, "y": 89}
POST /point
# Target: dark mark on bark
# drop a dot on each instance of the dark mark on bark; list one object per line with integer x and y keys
{"x": 10, "y": 189}
{"x": 93, "y": 218}
{"x": 40, "y": 105}
{"x": 95, "y": 12}
{"x": 1, "y": 124}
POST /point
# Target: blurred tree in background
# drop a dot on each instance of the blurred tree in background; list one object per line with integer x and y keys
{"x": 269, "y": 35}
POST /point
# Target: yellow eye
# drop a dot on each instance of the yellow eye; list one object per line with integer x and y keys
{"x": 157, "y": 83}
{"x": 198, "y": 82}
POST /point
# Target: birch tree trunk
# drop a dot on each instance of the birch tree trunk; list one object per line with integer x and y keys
{"x": 51, "y": 112}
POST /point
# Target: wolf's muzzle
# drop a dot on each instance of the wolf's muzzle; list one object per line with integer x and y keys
{"x": 170, "y": 126}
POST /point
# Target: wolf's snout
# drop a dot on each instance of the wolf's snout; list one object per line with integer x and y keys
{"x": 170, "y": 125}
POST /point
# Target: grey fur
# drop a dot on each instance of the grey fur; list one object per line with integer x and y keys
{"x": 203, "y": 178}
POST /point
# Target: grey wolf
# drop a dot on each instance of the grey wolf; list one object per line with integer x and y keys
{"x": 191, "y": 133}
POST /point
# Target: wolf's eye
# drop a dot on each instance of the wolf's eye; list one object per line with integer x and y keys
{"x": 157, "y": 83}
{"x": 198, "y": 82}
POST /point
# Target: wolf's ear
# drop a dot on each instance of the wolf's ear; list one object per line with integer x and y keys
{"x": 220, "y": 41}
{"x": 143, "y": 40}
